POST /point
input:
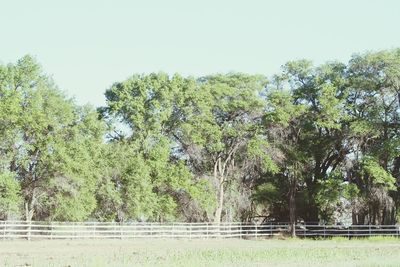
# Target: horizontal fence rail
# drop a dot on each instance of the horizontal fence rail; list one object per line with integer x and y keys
{"x": 100, "y": 230}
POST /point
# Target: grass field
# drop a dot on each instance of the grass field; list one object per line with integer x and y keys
{"x": 228, "y": 252}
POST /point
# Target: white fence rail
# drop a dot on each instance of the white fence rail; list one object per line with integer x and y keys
{"x": 97, "y": 230}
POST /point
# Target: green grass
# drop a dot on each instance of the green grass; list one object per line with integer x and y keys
{"x": 228, "y": 252}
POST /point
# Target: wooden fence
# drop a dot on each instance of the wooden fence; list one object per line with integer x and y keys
{"x": 98, "y": 230}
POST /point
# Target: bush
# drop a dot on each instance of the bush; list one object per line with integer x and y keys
{"x": 10, "y": 195}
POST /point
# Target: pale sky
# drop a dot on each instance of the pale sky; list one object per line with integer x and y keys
{"x": 88, "y": 45}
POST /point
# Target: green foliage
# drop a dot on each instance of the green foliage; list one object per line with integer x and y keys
{"x": 266, "y": 192}
{"x": 332, "y": 194}
{"x": 109, "y": 200}
{"x": 281, "y": 109}
{"x": 374, "y": 174}
{"x": 330, "y": 114}
{"x": 258, "y": 149}
{"x": 200, "y": 191}
{"x": 333, "y": 188}
{"x": 10, "y": 195}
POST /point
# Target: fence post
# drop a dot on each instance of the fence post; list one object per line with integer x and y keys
{"x": 4, "y": 230}
{"x": 369, "y": 226}
{"x": 207, "y": 231}
{"x": 190, "y": 231}
{"x": 324, "y": 230}
{"x": 29, "y": 230}
{"x": 151, "y": 229}
{"x": 73, "y": 230}
{"x": 256, "y": 231}
{"x": 134, "y": 230}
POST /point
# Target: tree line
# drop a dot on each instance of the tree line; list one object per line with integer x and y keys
{"x": 311, "y": 143}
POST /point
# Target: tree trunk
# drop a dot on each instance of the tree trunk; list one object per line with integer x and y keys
{"x": 311, "y": 214}
{"x": 292, "y": 208}
{"x": 220, "y": 204}
{"x": 396, "y": 168}
{"x": 28, "y": 211}
{"x": 28, "y": 217}
{"x": 219, "y": 177}
{"x": 221, "y": 172}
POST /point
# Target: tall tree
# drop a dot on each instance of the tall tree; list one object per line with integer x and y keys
{"x": 49, "y": 143}
{"x": 219, "y": 130}
{"x": 284, "y": 119}
{"x": 147, "y": 105}
{"x": 373, "y": 107}
{"x": 323, "y": 90}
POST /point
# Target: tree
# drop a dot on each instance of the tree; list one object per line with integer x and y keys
{"x": 284, "y": 120}
{"x": 373, "y": 108}
{"x": 49, "y": 143}
{"x": 146, "y": 104}
{"x": 219, "y": 130}
{"x": 323, "y": 91}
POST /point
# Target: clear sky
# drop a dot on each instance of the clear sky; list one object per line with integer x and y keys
{"x": 88, "y": 45}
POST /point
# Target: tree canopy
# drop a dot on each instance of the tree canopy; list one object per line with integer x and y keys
{"x": 311, "y": 143}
